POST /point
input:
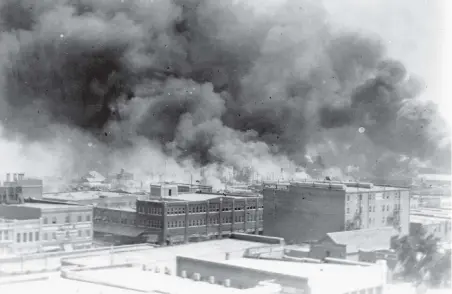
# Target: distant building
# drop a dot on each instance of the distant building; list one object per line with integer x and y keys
{"x": 63, "y": 227}
{"x": 179, "y": 218}
{"x": 434, "y": 180}
{"x": 17, "y": 188}
{"x": 348, "y": 244}
{"x": 96, "y": 198}
{"x": 436, "y": 226}
{"x": 306, "y": 211}
{"x": 92, "y": 180}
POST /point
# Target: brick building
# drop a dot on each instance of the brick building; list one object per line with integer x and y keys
{"x": 63, "y": 227}
{"x": 306, "y": 211}
{"x": 116, "y": 226}
{"x": 186, "y": 217}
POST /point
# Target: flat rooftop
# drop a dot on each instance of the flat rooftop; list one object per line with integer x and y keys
{"x": 348, "y": 187}
{"x": 87, "y": 195}
{"x": 345, "y": 277}
{"x": 193, "y": 197}
{"x": 426, "y": 220}
{"x": 166, "y": 256}
{"x": 45, "y": 205}
{"x": 151, "y": 282}
{"x": 54, "y": 284}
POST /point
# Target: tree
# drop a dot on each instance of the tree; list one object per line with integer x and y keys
{"x": 420, "y": 260}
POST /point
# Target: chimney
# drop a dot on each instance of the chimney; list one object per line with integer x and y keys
{"x": 15, "y": 177}
{"x": 183, "y": 274}
{"x": 21, "y": 176}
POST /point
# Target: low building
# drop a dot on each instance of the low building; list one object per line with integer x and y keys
{"x": 181, "y": 218}
{"x": 348, "y": 244}
{"x": 293, "y": 276}
{"x": 93, "y": 179}
{"x": 373, "y": 256}
{"x": 63, "y": 227}
{"x": 438, "y": 227}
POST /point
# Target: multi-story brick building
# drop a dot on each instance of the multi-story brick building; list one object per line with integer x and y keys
{"x": 184, "y": 217}
{"x": 306, "y": 211}
{"x": 63, "y": 227}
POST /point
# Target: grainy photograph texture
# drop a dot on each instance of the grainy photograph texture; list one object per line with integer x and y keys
{"x": 236, "y": 146}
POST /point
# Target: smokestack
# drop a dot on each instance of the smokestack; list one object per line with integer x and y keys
{"x": 21, "y": 176}
{"x": 8, "y": 177}
{"x": 15, "y": 177}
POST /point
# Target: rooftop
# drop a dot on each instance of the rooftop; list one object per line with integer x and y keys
{"x": 366, "y": 240}
{"x": 147, "y": 281}
{"x": 427, "y": 220}
{"x": 45, "y": 205}
{"x": 348, "y": 187}
{"x": 198, "y": 197}
{"x": 57, "y": 285}
{"x": 348, "y": 277}
{"x": 166, "y": 256}
{"x": 86, "y": 195}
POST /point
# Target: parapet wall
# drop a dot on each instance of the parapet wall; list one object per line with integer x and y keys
{"x": 258, "y": 238}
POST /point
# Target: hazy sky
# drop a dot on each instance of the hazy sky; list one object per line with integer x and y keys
{"x": 411, "y": 30}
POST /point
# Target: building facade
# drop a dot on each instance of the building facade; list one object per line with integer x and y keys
{"x": 62, "y": 227}
{"x": 199, "y": 216}
{"x": 16, "y": 188}
{"x": 20, "y": 236}
{"x": 305, "y": 212}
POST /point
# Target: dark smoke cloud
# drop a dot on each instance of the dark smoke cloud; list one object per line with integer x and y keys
{"x": 211, "y": 82}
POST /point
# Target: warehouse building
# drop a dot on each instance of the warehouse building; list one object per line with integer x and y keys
{"x": 180, "y": 218}
{"x": 306, "y": 211}
{"x": 16, "y": 188}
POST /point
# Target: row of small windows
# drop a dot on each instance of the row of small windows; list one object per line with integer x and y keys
{"x": 371, "y": 197}
{"x": 150, "y": 210}
{"x": 212, "y": 208}
{"x": 115, "y": 220}
{"x": 67, "y": 219}
{"x": 151, "y": 223}
{"x": 383, "y": 208}
{"x": 28, "y": 237}
{"x": 211, "y": 221}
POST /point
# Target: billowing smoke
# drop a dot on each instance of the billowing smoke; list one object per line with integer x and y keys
{"x": 167, "y": 87}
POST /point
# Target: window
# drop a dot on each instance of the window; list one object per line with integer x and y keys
{"x": 25, "y": 237}
{"x": 45, "y": 237}
{"x": 54, "y": 236}
{"x": 348, "y": 210}
{"x": 373, "y": 208}
{"x": 79, "y": 233}
{"x": 67, "y": 219}
{"x": 348, "y": 197}
{"x": 79, "y": 218}
{"x": 6, "y": 235}
{"x": 387, "y": 208}
{"x": 382, "y": 208}
{"x": 383, "y": 220}
{"x": 54, "y": 220}
{"x": 360, "y": 197}
{"x": 45, "y": 221}
{"x": 30, "y": 236}
{"x": 370, "y": 208}
{"x": 18, "y": 237}
{"x": 88, "y": 218}
{"x": 36, "y": 236}
{"x": 88, "y": 233}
